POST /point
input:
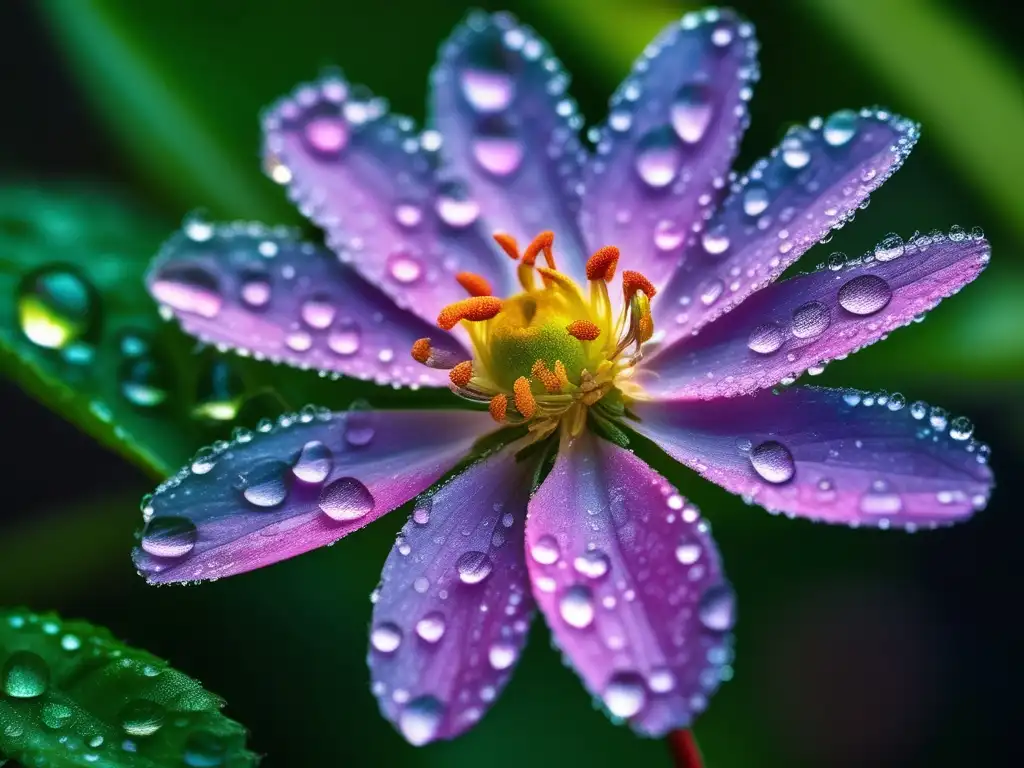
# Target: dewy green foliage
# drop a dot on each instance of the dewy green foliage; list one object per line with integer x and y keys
{"x": 71, "y": 695}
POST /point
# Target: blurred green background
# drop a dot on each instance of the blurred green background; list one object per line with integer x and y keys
{"x": 854, "y": 648}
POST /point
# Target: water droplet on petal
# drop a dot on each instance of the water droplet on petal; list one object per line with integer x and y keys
{"x": 314, "y": 462}
{"x": 188, "y": 288}
{"x": 891, "y": 247}
{"x": 668, "y": 235}
{"x": 266, "y": 484}
{"x": 318, "y": 312}
{"x": 880, "y": 500}
{"x": 386, "y": 637}
{"x": 755, "y": 200}
{"x": 255, "y": 292}
{"x": 715, "y": 240}
{"x": 455, "y": 207}
{"x": 141, "y": 717}
{"x": 661, "y": 680}
{"x": 421, "y": 720}
{"x": 169, "y": 536}
{"x": 576, "y": 606}
{"x": 25, "y": 675}
{"x": 961, "y": 428}
{"x": 688, "y": 552}
{"x": 346, "y": 499}
{"x": 593, "y": 564}
{"x": 502, "y": 655}
{"x": 710, "y": 291}
{"x": 326, "y": 135}
{"x": 658, "y": 158}
{"x": 766, "y": 338}
{"x": 345, "y": 339}
{"x": 473, "y": 567}
{"x": 840, "y": 127}
{"x": 56, "y": 306}
{"x": 431, "y": 627}
{"x": 794, "y": 152}
{"x": 865, "y": 295}
{"x": 717, "y": 608}
{"x": 497, "y": 149}
{"x": 487, "y": 90}
{"x": 408, "y": 215}
{"x": 691, "y": 113}
{"x": 404, "y": 268}
{"x": 773, "y": 461}
{"x": 625, "y": 694}
{"x": 545, "y": 550}
{"x": 810, "y": 320}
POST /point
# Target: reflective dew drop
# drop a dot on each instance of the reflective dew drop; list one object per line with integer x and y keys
{"x": 594, "y": 564}
{"x": 497, "y": 149}
{"x": 386, "y": 637}
{"x": 766, "y": 338}
{"x": 625, "y": 694}
{"x": 326, "y": 135}
{"x": 346, "y": 499}
{"x": 141, "y": 717}
{"x": 431, "y": 627}
{"x": 487, "y": 90}
{"x": 755, "y": 200}
{"x": 840, "y": 127}
{"x": 715, "y": 240}
{"x": 658, "y": 158}
{"x": 169, "y": 537}
{"x": 313, "y": 463}
{"x": 266, "y": 484}
{"x": 473, "y": 567}
{"x": 691, "y": 113}
{"x": 318, "y": 312}
{"x": 961, "y": 428}
{"x": 404, "y": 268}
{"x": 345, "y": 340}
{"x": 205, "y": 750}
{"x": 421, "y": 720}
{"x": 880, "y": 500}
{"x": 668, "y": 235}
{"x": 794, "y": 152}
{"x": 810, "y": 320}
{"x": 891, "y": 247}
{"x": 717, "y": 608}
{"x": 576, "y": 606}
{"x": 56, "y": 715}
{"x": 56, "y": 306}
{"x": 145, "y": 382}
{"x": 545, "y": 550}
{"x": 456, "y": 208}
{"x": 188, "y": 288}
{"x": 773, "y": 462}
{"x": 255, "y": 291}
{"x": 502, "y": 655}
{"x": 687, "y": 552}
{"x": 865, "y": 295}
{"x": 25, "y": 675}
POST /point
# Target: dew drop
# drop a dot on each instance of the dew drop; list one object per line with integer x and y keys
{"x": 205, "y": 750}
{"x": 961, "y": 428}
{"x": 314, "y": 462}
{"x": 576, "y": 606}
{"x": 794, "y": 152}
{"x": 408, "y": 215}
{"x": 25, "y": 675}
{"x": 497, "y": 149}
{"x": 188, "y": 288}
{"x": 144, "y": 382}
{"x": 56, "y": 715}
{"x": 141, "y": 717}
{"x": 473, "y": 567}
{"x": 880, "y": 500}
{"x": 169, "y": 536}
{"x": 219, "y": 392}
{"x": 266, "y": 485}
{"x": 346, "y": 499}
{"x": 715, "y": 240}
{"x": 691, "y": 113}
{"x": 360, "y": 426}
{"x": 502, "y": 655}
{"x": 593, "y": 564}
{"x": 773, "y": 462}
{"x": 455, "y": 207}
{"x": 255, "y": 291}
{"x": 891, "y": 247}
{"x": 431, "y": 627}
{"x": 687, "y": 552}
{"x": 625, "y": 694}
{"x": 421, "y": 720}
{"x": 865, "y": 295}
{"x": 766, "y": 338}
{"x": 56, "y": 306}
{"x": 840, "y": 127}
{"x": 658, "y": 158}
{"x": 326, "y": 135}
{"x": 345, "y": 339}
{"x": 710, "y": 291}
{"x": 667, "y": 235}
{"x": 755, "y": 200}
{"x": 487, "y": 90}
{"x": 810, "y": 320}
{"x": 717, "y": 608}
{"x": 318, "y": 312}
{"x": 661, "y": 680}
{"x": 386, "y": 637}
{"x": 545, "y": 550}
{"x": 70, "y": 642}
{"x": 404, "y": 268}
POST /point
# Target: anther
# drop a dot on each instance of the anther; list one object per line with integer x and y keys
{"x": 498, "y": 407}
{"x": 475, "y": 285}
{"x": 525, "y": 403}
{"x": 633, "y": 282}
{"x": 461, "y": 373}
{"x": 601, "y": 266}
{"x": 508, "y": 244}
{"x": 424, "y": 352}
{"x": 584, "y": 330}
{"x": 475, "y": 309}
{"x": 421, "y": 350}
{"x": 541, "y": 242}
{"x": 560, "y": 374}
{"x": 641, "y": 319}
{"x": 543, "y": 374}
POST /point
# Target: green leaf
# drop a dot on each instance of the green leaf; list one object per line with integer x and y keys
{"x": 71, "y": 695}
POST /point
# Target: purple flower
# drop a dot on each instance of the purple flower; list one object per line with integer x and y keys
{"x": 570, "y": 358}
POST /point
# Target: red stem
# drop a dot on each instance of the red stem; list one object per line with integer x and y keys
{"x": 684, "y": 749}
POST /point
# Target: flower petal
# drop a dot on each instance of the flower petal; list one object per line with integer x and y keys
{"x": 370, "y": 182}
{"x": 454, "y": 606}
{"x": 802, "y": 323}
{"x": 834, "y": 455}
{"x": 672, "y": 132}
{"x": 812, "y": 183}
{"x": 499, "y": 100}
{"x": 303, "y": 483}
{"x": 631, "y": 584}
{"x": 261, "y": 292}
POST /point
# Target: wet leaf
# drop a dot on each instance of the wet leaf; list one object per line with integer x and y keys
{"x": 71, "y": 695}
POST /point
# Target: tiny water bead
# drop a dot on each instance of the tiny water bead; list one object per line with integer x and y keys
{"x": 431, "y": 627}
{"x": 421, "y": 719}
{"x": 502, "y": 655}
{"x": 889, "y": 248}
{"x": 145, "y": 381}
{"x": 717, "y": 608}
{"x": 142, "y": 717}
{"x": 626, "y": 694}
{"x": 25, "y": 675}
{"x": 219, "y": 391}
{"x": 326, "y": 135}
{"x": 594, "y": 564}
{"x": 57, "y": 306}
{"x": 169, "y": 537}
{"x": 346, "y": 499}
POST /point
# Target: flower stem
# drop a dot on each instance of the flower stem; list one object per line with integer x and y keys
{"x": 684, "y": 749}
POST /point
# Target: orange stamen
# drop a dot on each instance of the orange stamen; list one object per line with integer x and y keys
{"x": 601, "y": 266}
{"x": 543, "y": 374}
{"x": 541, "y": 242}
{"x": 633, "y": 282}
{"x": 475, "y": 285}
{"x": 560, "y": 373}
{"x": 475, "y": 309}
{"x": 461, "y": 373}
{"x": 584, "y": 330}
{"x": 554, "y": 276}
{"x": 508, "y": 244}
{"x": 525, "y": 403}
{"x": 421, "y": 350}
{"x": 498, "y": 407}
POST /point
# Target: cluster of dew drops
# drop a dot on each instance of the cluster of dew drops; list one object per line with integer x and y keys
{"x": 27, "y": 677}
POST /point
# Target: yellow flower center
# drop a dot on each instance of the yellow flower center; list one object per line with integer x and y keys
{"x": 550, "y": 354}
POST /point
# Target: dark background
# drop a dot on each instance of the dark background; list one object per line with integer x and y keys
{"x": 854, "y": 648}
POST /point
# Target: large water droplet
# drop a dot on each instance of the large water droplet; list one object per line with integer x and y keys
{"x": 593, "y": 564}
{"x": 576, "y": 606}
{"x": 266, "y": 484}
{"x": 810, "y": 320}
{"x": 668, "y": 235}
{"x": 688, "y": 552}
{"x": 455, "y": 207}
{"x": 755, "y": 200}
{"x": 346, "y": 499}
{"x": 625, "y": 694}
{"x": 473, "y": 567}
{"x": 773, "y": 461}
{"x": 545, "y": 550}
{"x": 205, "y": 750}
{"x": 658, "y": 158}
{"x": 715, "y": 240}
{"x": 314, "y": 462}
{"x": 891, "y": 247}
{"x": 386, "y": 637}
{"x": 169, "y": 536}
{"x": 56, "y": 306}
{"x": 496, "y": 148}
{"x": 188, "y": 288}
{"x": 144, "y": 382}
{"x": 502, "y": 655}
{"x": 880, "y": 500}
{"x": 318, "y": 311}
{"x": 56, "y": 715}
{"x": 766, "y": 338}
{"x": 326, "y": 135}
{"x": 431, "y": 627}
{"x": 421, "y": 720}
{"x": 487, "y": 90}
{"x": 360, "y": 424}
{"x": 961, "y": 428}
{"x": 404, "y": 268}
{"x": 141, "y": 717}
{"x": 794, "y": 152}
{"x": 691, "y": 113}
{"x": 717, "y": 608}
{"x": 865, "y": 295}
{"x": 840, "y": 127}
{"x": 256, "y": 290}
{"x": 25, "y": 675}
{"x": 345, "y": 339}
